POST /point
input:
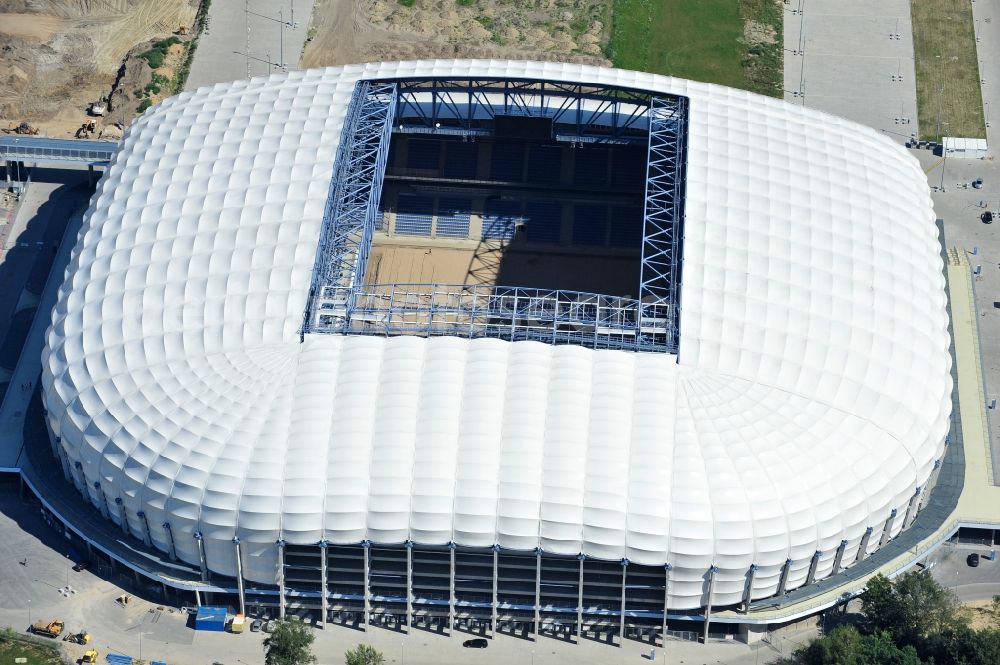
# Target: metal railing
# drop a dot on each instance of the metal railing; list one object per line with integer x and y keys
{"x": 511, "y": 313}
{"x": 43, "y": 149}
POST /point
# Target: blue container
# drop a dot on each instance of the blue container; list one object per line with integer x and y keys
{"x": 210, "y": 618}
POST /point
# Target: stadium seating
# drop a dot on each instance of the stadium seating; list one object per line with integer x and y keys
{"x": 414, "y": 215}
{"x": 460, "y": 160}
{"x": 507, "y": 162}
{"x": 626, "y": 226}
{"x": 544, "y": 164}
{"x": 453, "y": 218}
{"x": 424, "y": 154}
{"x": 628, "y": 168}
{"x": 590, "y": 224}
{"x": 590, "y": 168}
{"x": 500, "y": 218}
{"x": 543, "y": 220}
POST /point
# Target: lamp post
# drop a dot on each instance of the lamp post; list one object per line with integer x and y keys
{"x": 29, "y": 613}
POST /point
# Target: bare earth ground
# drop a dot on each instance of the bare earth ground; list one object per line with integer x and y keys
{"x": 980, "y": 617}
{"x": 57, "y": 56}
{"x": 351, "y": 31}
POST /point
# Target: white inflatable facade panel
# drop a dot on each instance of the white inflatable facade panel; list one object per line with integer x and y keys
{"x": 810, "y": 397}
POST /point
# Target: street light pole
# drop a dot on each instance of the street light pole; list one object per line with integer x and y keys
{"x": 29, "y": 613}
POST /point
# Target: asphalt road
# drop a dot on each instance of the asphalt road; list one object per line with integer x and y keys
{"x": 27, "y": 255}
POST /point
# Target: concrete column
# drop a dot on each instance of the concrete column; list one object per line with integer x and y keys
{"x": 538, "y": 590}
{"x": 666, "y": 599}
{"x": 911, "y": 509}
{"x": 67, "y": 467}
{"x": 104, "y": 500}
{"x": 122, "y": 516}
{"x": 146, "y": 538}
{"x": 366, "y": 545}
{"x": 90, "y": 174}
{"x": 579, "y": 601}
{"x": 748, "y": 589}
{"x": 887, "y": 528}
{"x": 451, "y": 588}
{"x": 708, "y": 607}
{"x": 783, "y": 578}
{"x": 931, "y": 483}
{"x": 79, "y": 480}
{"x": 811, "y": 576}
{"x": 322, "y": 579}
{"x": 621, "y": 616}
{"x": 863, "y": 547}
{"x": 839, "y": 559}
{"x": 281, "y": 578}
{"x": 171, "y": 547}
{"x": 202, "y": 559}
{"x": 496, "y": 558}
{"x": 239, "y": 575}
{"x": 409, "y": 585}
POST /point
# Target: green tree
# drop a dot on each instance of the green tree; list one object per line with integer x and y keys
{"x": 364, "y": 654}
{"x": 289, "y": 644}
{"x": 963, "y": 646}
{"x": 910, "y": 608}
{"x": 846, "y": 646}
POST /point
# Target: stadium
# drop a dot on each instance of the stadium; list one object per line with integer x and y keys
{"x": 518, "y": 345}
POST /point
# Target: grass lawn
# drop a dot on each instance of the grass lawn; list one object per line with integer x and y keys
{"x": 944, "y": 45}
{"x": 36, "y": 655}
{"x": 733, "y": 42}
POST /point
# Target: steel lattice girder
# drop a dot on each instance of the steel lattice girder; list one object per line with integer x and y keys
{"x": 659, "y": 290}
{"x": 588, "y": 109}
{"x": 355, "y": 189}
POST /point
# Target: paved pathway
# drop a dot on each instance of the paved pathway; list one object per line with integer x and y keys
{"x": 853, "y": 58}
{"x": 222, "y": 47}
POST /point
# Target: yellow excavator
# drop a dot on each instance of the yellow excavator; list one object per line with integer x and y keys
{"x": 89, "y": 657}
{"x": 83, "y": 637}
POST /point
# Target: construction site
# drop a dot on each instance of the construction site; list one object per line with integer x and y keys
{"x": 73, "y": 68}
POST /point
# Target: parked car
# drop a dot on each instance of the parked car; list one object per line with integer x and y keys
{"x": 973, "y": 560}
{"x": 478, "y": 643}
{"x": 270, "y": 626}
{"x": 256, "y": 626}
{"x": 987, "y": 217}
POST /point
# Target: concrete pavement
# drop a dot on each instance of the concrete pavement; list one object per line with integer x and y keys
{"x": 853, "y": 58}
{"x": 29, "y": 258}
{"x": 275, "y": 31}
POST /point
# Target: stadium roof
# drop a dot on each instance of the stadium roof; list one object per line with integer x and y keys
{"x": 808, "y": 401}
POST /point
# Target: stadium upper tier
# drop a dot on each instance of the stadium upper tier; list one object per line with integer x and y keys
{"x": 807, "y": 404}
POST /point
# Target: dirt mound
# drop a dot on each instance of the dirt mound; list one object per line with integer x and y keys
{"x": 348, "y": 31}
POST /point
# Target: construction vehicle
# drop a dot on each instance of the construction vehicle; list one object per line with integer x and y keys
{"x": 22, "y": 128}
{"x": 98, "y": 108}
{"x": 83, "y": 637}
{"x": 87, "y": 129}
{"x": 238, "y": 624}
{"x": 90, "y": 656}
{"x": 47, "y": 628}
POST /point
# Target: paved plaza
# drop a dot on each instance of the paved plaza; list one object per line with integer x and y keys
{"x": 853, "y": 58}
{"x": 222, "y": 54}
